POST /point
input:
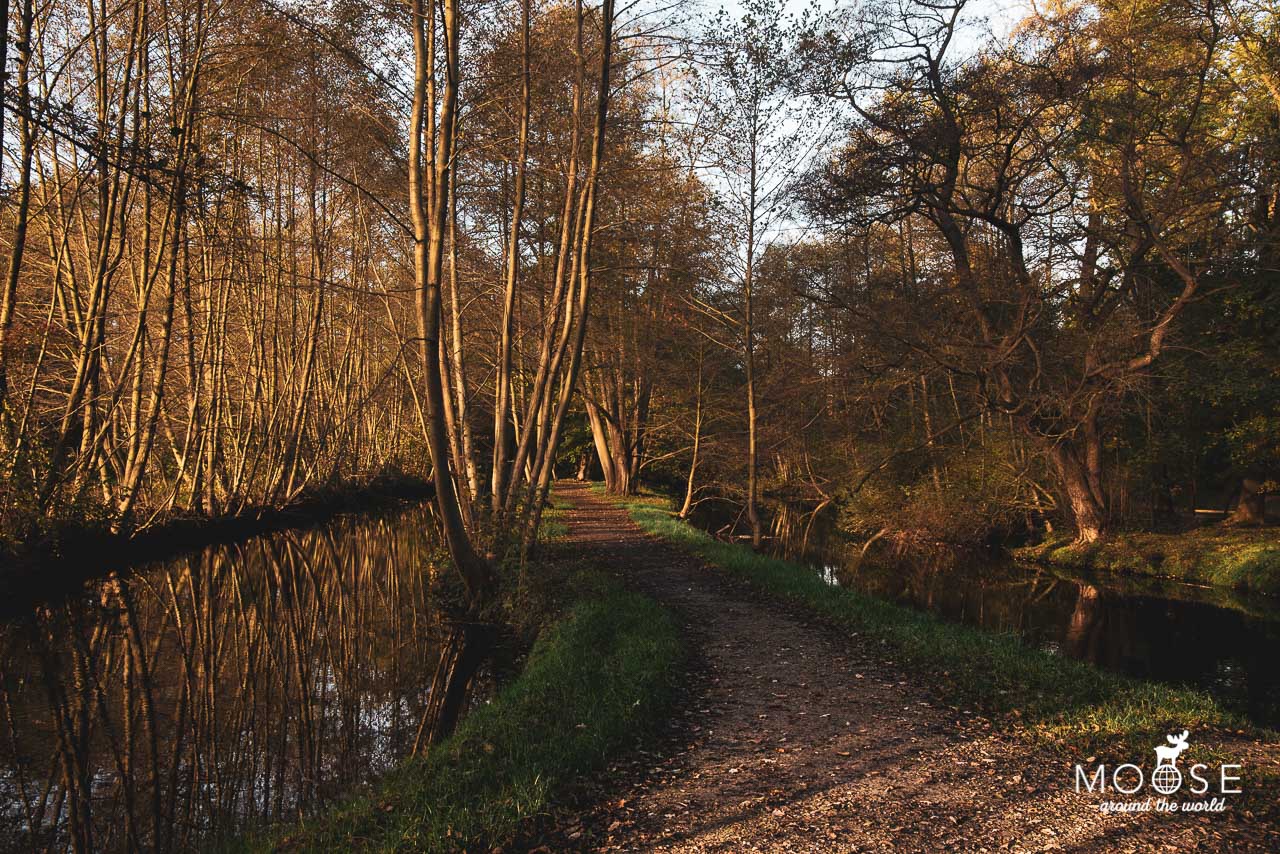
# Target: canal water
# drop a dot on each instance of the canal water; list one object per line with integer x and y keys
{"x": 183, "y": 703}
{"x": 240, "y": 685}
{"x": 1224, "y": 642}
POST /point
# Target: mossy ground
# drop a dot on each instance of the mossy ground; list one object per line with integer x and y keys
{"x": 1237, "y": 558}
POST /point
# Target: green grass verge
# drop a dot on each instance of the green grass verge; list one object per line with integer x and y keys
{"x": 595, "y": 682}
{"x": 1239, "y": 558}
{"x": 553, "y": 527}
{"x": 1059, "y": 699}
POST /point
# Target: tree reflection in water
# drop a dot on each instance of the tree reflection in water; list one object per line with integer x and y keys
{"x": 240, "y": 685}
{"x": 1223, "y": 641}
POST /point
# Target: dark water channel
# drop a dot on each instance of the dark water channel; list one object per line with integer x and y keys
{"x": 1222, "y": 641}
{"x": 236, "y": 686}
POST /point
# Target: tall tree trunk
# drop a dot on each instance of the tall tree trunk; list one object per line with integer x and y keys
{"x": 457, "y": 464}
{"x": 601, "y": 442}
{"x": 459, "y": 353}
{"x": 619, "y": 457}
{"x": 1090, "y": 515}
{"x": 551, "y": 355}
{"x": 1251, "y": 509}
{"x": 9, "y": 294}
{"x": 638, "y": 432}
{"x": 697, "y": 442}
{"x": 749, "y": 347}
{"x": 928, "y": 434}
{"x": 570, "y": 381}
{"x": 1093, "y": 457}
{"x": 428, "y": 237}
{"x": 503, "y": 390}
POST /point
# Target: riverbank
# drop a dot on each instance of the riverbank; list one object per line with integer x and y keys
{"x": 819, "y": 717}
{"x": 1237, "y": 558}
{"x": 808, "y": 733}
{"x": 1050, "y": 698}
{"x": 62, "y": 560}
{"x": 598, "y": 681}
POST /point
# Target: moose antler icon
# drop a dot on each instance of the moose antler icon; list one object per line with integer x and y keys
{"x": 1168, "y": 755}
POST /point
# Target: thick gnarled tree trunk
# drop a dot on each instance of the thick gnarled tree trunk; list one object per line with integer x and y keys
{"x": 1086, "y": 506}
{"x": 1251, "y": 508}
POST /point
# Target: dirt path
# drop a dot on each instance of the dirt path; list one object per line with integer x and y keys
{"x": 797, "y": 739}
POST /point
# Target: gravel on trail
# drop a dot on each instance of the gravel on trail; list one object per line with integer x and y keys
{"x": 793, "y": 737}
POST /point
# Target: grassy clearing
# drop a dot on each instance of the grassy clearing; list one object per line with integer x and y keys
{"x": 596, "y": 681}
{"x": 1049, "y": 697}
{"x": 1238, "y": 558}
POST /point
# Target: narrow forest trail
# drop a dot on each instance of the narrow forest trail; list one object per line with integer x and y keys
{"x": 795, "y": 738}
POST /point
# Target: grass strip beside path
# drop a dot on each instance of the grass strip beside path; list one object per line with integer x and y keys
{"x": 1059, "y": 699}
{"x": 595, "y": 682}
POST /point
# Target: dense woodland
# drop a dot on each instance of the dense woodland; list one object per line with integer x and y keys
{"x": 962, "y": 285}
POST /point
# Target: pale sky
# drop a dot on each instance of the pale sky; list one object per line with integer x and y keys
{"x": 979, "y": 19}
{"x": 1001, "y": 15}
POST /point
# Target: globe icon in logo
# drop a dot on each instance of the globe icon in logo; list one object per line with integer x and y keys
{"x": 1166, "y": 779}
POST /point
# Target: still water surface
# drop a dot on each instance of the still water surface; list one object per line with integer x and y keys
{"x": 1222, "y": 641}
{"x": 247, "y": 684}
{"x": 232, "y": 687}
